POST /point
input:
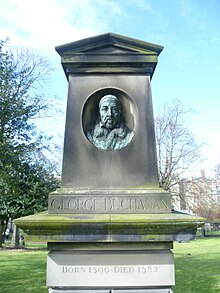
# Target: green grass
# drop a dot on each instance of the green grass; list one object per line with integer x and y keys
{"x": 23, "y": 271}
{"x": 197, "y": 266}
{"x": 213, "y": 233}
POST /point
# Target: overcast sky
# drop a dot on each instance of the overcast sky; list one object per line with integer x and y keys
{"x": 189, "y": 65}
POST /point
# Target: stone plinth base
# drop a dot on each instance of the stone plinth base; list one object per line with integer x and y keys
{"x": 128, "y": 268}
{"x": 123, "y": 253}
{"x": 167, "y": 290}
{"x": 83, "y": 228}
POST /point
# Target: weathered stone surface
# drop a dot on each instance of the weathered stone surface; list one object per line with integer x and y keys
{"x": 111, "y": 246}
{"x": 86, "y": 166}
{"x": 121, "y": 290}
{"x": 110, "y": 227}
{"x": 109, "y": 53}
{"x": 110, "y": 269}
{"x": 110, "y": 203}
{"x": 83, "y": 164}
{"x": 79, "y": 201}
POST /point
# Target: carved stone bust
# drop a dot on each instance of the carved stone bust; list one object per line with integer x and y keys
{"x": 110, "y": 131}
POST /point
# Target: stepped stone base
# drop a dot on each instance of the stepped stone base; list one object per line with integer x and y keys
{"x": 110, "y": 228}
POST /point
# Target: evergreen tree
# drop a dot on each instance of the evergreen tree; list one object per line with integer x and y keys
{"x": 24, "y": 180}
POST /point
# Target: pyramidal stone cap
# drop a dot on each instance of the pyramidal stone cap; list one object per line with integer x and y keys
{"x": 109, "y": 53}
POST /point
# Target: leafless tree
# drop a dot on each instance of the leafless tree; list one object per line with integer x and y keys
{"x": 177, "y": 149}
{"x": 35, "y": 71}
{"x": 200, "y": 198}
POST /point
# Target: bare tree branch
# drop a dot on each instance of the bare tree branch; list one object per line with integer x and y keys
{"x": 176, "y": 147}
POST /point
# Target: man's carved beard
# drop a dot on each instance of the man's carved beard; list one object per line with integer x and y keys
{"x": 108, "y": 123}
{"x": 101, "y": 131}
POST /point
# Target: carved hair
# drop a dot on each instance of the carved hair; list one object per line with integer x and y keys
{"x": 112, "y": 97}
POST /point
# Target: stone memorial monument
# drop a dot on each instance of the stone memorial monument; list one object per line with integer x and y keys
{"x": 109, "y": 228}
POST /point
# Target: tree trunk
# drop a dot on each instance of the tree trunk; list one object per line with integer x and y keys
{"x": 15, "y": 243}
{"x": 2, "y": 232}
{"x": 182, "y": 195}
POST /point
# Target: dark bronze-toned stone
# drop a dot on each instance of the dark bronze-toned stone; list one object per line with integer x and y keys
{"x": 100, "y": 157}
{"x": 110, "y": 132}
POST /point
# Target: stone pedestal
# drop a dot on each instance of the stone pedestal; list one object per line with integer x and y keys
{"x": 109, "y": 227}
{"x": 110, "y": 252}
{"x": 99, "y": 267}
{"x": 114, "y": 291}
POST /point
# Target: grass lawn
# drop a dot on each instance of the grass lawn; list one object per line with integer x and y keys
{"x": 23, "y": 271}
{"x": 213, "y": 233}
{"x": 197, "y": 266}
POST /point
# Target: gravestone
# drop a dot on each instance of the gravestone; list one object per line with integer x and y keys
{"x": 109, "y": 228}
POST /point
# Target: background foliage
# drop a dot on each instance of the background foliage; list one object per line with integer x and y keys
{"x": 25, "y": 178}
